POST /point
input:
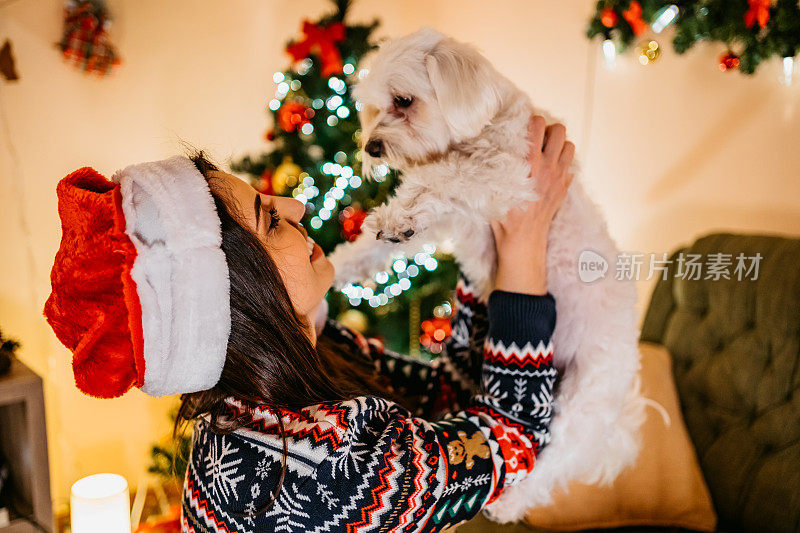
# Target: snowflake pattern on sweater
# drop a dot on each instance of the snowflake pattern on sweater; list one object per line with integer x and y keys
{"x": 368, "y": 464}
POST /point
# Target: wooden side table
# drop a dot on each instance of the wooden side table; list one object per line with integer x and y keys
{"x": 23, "y": 441}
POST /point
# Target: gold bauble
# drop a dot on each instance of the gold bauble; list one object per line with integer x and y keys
{"x": 649, "y": 51}
{"x": 354, "y": 319}
{"x": 443, "y": 311}
{"x": 286, "y": 175}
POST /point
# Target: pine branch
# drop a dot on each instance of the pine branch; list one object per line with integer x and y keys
{"x": 712, "y": 21}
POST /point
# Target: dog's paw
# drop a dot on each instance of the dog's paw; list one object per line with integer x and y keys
{"x": 391, "y": 227}
{"x": 393, "y": 237}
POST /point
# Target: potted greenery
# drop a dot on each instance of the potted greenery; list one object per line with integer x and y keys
{"x": 7, "y": 348}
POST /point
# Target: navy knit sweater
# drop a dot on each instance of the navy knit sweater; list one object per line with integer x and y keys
{"x": 368, "y": 464}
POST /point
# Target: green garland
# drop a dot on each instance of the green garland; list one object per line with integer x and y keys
{"x": 724, "y": 21}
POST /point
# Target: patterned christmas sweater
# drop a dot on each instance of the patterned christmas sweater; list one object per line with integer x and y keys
{"x": 368, "y": 464}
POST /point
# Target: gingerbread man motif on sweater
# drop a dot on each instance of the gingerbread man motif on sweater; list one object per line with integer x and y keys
{"x": 465, "y": 448}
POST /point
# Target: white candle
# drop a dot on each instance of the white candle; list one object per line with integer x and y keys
{"x": 100, "y": 504}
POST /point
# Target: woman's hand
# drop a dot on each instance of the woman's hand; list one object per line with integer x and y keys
{"x": 521, "y": 238}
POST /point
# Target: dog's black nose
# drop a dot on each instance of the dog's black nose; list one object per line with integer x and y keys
{"x": 375, "y": 147}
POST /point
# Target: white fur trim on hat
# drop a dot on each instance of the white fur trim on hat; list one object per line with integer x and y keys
{"x": 180, "y": 272}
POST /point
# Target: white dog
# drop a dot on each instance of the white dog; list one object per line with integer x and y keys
{"x": 437, "y": 110}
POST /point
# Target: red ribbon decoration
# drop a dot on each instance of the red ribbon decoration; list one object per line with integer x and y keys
{"x": 608, "y": 17}
{"x": 758, "y": 11}
{"x": 634, "y": 17}
{"x": 322, "y": 42}
{"x": 85, "y": 40}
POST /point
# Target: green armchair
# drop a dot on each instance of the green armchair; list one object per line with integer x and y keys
{"x": 736, "y": 362}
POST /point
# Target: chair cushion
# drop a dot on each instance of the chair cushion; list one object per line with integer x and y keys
{"x": 665, "y": 487}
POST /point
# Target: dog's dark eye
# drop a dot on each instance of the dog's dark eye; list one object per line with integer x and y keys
{"x": 403, "y": 101}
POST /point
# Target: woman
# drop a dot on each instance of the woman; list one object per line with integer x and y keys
{"x": 297, "y": 427}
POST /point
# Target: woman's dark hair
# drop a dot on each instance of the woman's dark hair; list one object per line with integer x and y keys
{"x": 270, "y": 360}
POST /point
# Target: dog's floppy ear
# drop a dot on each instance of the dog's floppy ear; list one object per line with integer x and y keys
{"x": 465, "y": 85}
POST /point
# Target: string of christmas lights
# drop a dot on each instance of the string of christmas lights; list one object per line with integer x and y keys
{"x": 389, "y": 284}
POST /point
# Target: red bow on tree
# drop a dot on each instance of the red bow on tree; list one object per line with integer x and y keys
{"x": 634, "y": 17}
{"x": 322, "y": 42}
{"x": 759, "y": 11}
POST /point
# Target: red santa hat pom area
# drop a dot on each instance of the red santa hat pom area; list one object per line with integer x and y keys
{"x": 140, "y": 290}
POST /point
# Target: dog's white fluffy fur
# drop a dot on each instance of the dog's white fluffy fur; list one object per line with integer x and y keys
{"x": 462, "y": 146}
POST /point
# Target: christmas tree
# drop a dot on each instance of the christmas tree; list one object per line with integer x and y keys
{"x": 313, "y": 156}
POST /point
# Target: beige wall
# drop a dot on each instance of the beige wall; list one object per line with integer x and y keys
{"x": 671, "y": 151}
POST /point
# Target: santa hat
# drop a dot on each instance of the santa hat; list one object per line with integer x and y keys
{"x": 140, "y": 289}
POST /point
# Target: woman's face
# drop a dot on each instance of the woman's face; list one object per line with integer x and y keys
{"x": 275, "y": 220}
